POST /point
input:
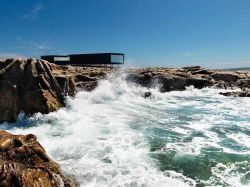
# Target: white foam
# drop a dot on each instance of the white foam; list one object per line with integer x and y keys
{"x": 229, "y": 174}
{"x": 94, "y": 138}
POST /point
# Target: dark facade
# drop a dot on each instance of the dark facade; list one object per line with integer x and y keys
{"x": 86, "y": 59}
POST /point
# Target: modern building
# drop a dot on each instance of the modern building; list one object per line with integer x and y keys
{"x": 95, "y": 59}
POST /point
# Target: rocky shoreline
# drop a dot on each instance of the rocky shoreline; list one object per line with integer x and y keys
{"x": 37, "y": 86}
{"x": 32, "y": 86}
{"x": 24, "y": 162}
{"x": 171, "y": 79}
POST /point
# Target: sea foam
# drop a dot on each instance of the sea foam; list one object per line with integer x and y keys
{"x": 113, "y": 136}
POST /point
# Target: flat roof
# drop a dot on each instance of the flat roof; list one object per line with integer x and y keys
{"x": 83, "y": 54}
{"x": 89, "y": 58}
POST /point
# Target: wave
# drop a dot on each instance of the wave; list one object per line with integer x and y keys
{"x": 113, "y": 136}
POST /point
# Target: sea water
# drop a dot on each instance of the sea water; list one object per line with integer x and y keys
{"x": 113, "y": 136}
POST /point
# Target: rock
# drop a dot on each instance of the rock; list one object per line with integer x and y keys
{"x": 24, "y": 162}
{"x": 93, "y": 74}
{"x": 40, "y": 100}
{"x": 192, "y": 68}
{"x": 97, "y": 73}
{"x": 143, "y": 79}
{"x": 171, "y": 83}
{"x": 67, "y": 84}
{"x": 84, "y": 78}
{"x": 166, "y": 82}
{"x": 243, "y": 83}
{"x": 89, "y": 86}
{"x": 168, "y": 79}
{"x": 9, "y": 103}
{"x": 198, "y": 82}
{"x": 202, "y": 71}
{"x": 134, "y": 77}
{"x": 31, "y": 87}
{"x": 224, "y": 76}
{"x": 38, "y": 86}
{"x": 147, "y": 94}
{"x": 2, "y": 64}
{"x": 8, "y": 61}
{"x": 102, "y": 74}
{"x": 236, "y": 94}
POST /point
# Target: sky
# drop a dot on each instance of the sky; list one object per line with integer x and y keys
{"x": 172, "y": 33}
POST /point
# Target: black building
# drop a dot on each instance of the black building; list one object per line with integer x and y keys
{"x": 96, "y": 59}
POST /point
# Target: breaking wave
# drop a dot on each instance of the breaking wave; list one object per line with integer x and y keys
{"x": 113, "y": 136}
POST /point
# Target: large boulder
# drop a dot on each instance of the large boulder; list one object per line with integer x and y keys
{"x": 9, "y": 102}
{"x": 202, "y": 72}
{"x": 67, "y": 83}
{"x": 141, "y": 79}
{"x": 192, "y": 68}
{"x": 245, "y": 93}
{"x": 31, "y": 87}
{"x": 243, "y": 83}
{"x": 166, "y": 82}
{"x": 198, "y": 82}
{"x": 171, "y": 83}
{"x": 24, "y": 162}
{"x": 225, "y": 76}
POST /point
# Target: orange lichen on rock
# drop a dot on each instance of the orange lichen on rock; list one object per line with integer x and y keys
{"x": 24, "y": 162}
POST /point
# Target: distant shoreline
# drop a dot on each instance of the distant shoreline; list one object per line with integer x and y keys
{"x": 235, "y": 69}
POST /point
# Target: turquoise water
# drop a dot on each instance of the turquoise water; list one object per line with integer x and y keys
{"x": 113, "y": 136}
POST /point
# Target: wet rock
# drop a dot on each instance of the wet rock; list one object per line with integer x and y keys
{"x": 1, "y": 64}
{"x": 89, "y": 86}
{"x": 224, "y": 76}
{"x": 24, "y": 162}
{"x": 143, "y": 79}
{"x": 172, "y": 80}
{"x": 31, "y": 87}
{"x": 9, "y": 103}
{"x": 245, "y": 93}
{"x": 102, "y": 74}
{"x": 198, "y": 82}
{"x": 202, "y": 71}
{"x": 192, "y": 68}
{"x": 147, "y": 94}
{"x": 94, "y": 74}
{"x": 84, "y": 78}
{"x": 166, "y": 82}
{"x": 8, "y": 61}
{"x": 167, "y": 79}
{"x": 171, "y": 83}
{"x": 67, "y": 83}
{"x": 243, "y": 83}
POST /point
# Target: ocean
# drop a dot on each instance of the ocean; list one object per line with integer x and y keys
{"x": 113, "y": 136}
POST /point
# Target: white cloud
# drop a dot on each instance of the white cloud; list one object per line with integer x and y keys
{"x": 32, "y": 45}
{"x": 228, "y": 64}
{"x": 33, "y": 13}
{"x": 4, "y": 56}
{"x": 191, "y": 53}
{"x": 130, "y": 62}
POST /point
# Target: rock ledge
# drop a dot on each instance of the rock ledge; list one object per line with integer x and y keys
{"x": 24, "y": 162}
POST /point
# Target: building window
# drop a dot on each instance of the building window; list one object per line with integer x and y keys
{"x": 116, "y": 58}
{"x": 62, "y": 59}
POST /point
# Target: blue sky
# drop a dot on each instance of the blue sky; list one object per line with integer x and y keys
{"x": 175, "y": 33}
